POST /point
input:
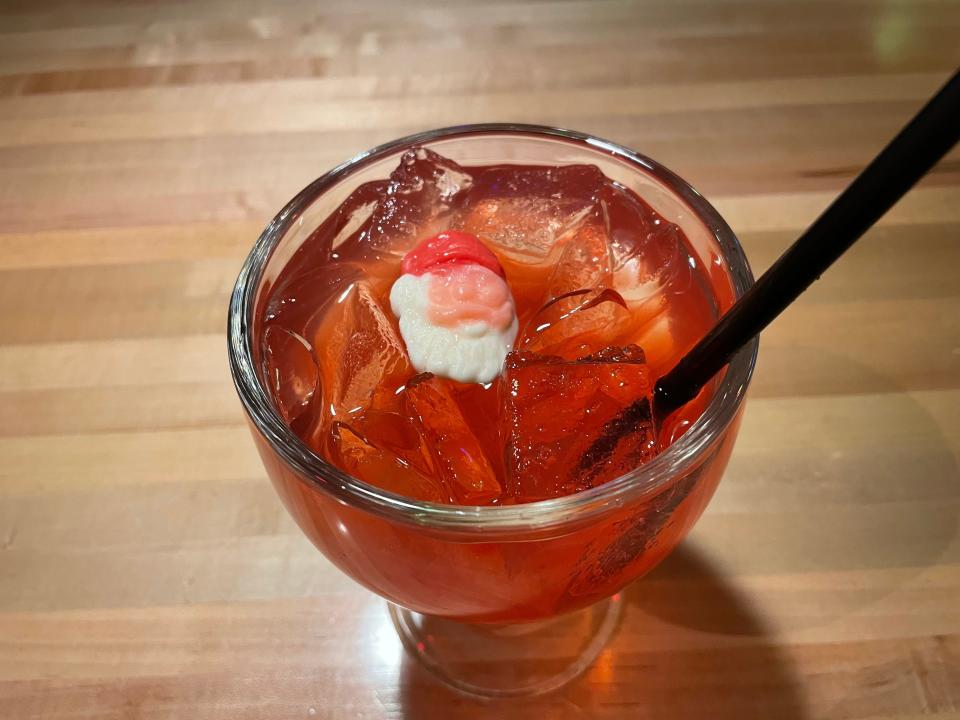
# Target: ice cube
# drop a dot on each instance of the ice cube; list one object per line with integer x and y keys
{"x": 334, "y": 254}
{"x": 457, "y": 454}
{"x": 656, "y": 336}
{"x": 525, "y": 212}
{"x": 353, "y": 452}
{"x": 583, "y": 261}
{"x": 578, "y": 323}
{"x": 655, "y": 266}
{"x": 361, "y": 354}
{"x": 312, "y": 268}
{"x": 291, "y": 372}
{"x": 584, "y": 183}
{"x": 420, "y": 192}
{"x": 347, "y": 225}
{"x": 629, "y": 221}
{"x": 290, "y": 304}
{"x": 396, "y": 432}
{"x": 573, "y": 425}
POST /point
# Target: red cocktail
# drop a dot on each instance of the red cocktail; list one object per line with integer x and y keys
{"x": 537, "y": 492}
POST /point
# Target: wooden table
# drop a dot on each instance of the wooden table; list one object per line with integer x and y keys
{"x": 146, "y": 568}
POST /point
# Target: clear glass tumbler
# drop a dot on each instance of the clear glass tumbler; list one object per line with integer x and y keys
{"x": 500, "y": 600}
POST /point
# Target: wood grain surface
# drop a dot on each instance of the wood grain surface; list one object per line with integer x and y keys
{"x": 146, "y": 568}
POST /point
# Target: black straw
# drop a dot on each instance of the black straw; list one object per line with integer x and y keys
{"x": 908, "y": 157}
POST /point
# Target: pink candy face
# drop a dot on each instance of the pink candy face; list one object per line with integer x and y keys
{"x": 454, "y": 308}
{"x": 461, "y": 294}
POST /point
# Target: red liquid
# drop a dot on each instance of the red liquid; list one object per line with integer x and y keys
{"x": 594, "y": 271}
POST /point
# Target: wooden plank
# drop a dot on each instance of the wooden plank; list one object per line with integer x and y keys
{"x": 520, "y": 107}
{"x": 147, "y": 569}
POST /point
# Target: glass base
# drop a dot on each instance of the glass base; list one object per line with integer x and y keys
{"x": 508, "y": 660}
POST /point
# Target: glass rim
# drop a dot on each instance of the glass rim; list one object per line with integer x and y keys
{"x": 676, "y": 460}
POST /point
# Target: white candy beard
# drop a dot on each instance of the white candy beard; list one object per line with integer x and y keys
{"x": 472, "y": 353}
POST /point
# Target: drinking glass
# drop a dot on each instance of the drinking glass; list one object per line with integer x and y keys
{"x": 498, "y": 600}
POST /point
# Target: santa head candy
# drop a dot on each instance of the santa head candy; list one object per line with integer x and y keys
{"x": 455, "y": 309}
